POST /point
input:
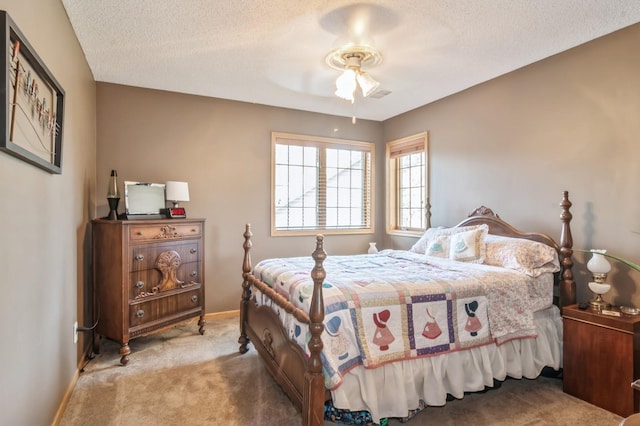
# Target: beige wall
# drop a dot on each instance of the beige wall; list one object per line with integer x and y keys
{"x": 570, "y": 122}
{"x": 44, "y": 245}
{"x": 222, "y": 149}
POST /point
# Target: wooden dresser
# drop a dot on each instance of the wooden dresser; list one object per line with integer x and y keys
{"x": 601, "y": 358}
{"x": 147, "y": 275}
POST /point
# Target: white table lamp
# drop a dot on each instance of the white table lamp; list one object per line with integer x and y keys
{"x": 176, "y": 192}
{"x": 599, "y": 267}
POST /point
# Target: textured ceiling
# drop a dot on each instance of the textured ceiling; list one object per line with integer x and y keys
{"x": 272, "y": 51}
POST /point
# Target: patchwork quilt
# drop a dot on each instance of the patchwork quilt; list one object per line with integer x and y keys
{"x": 397, "y": 305}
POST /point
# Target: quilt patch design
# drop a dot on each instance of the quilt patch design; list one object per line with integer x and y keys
{"x": 397, "y": 305}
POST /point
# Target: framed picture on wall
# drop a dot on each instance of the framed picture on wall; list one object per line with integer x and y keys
{"x": 32, "y": 104}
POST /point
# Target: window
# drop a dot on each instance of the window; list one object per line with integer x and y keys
{"x": 407, "y": 185}
{"x": 321, "y": 184}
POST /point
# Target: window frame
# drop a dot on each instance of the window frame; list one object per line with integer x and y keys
{"x": 332, "y": 143}
{"x": 404, "y": 146}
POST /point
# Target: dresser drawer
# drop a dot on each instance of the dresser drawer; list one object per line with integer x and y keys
{"x": 146, "y": 256}
{"x": 145, "y": 232}
{"x": 141, "y": 283}
{"x": 158, "y": 308}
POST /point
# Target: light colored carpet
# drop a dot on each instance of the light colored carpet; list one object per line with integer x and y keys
{"x": 178, "y": 377}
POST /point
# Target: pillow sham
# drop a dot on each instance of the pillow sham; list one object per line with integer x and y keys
{"x": 530, "y": 257}
{"x": 423, "y": 242}
{"x": 464, "y": 244}
{"x": 438, "y": 246}
{"x": 469, "y": 246}
{"x": 420, "y": 246}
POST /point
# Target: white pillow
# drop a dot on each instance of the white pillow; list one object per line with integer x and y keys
{"x": 465, "y": 244}
{"x": 469, "y": 246}
{"x": 438, "y": 246}
{"x": 420, "y": 246}
{"x": 530, "y": 257}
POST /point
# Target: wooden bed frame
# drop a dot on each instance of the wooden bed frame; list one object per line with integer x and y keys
{"x": 300, "y": 376}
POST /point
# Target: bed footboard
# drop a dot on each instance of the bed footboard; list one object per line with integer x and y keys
{"x": 300, "y": 377}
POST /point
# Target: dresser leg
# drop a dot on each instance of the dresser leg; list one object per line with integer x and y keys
{"x": 125, "y": 351}
{"x": 201, "y": 324}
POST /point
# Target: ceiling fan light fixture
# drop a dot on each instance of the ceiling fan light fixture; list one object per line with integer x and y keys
{"x": 349, "y": 59}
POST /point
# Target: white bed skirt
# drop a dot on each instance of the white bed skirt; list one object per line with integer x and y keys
{"x": 393, "y": 389}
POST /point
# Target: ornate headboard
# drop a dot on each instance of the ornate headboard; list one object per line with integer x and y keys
{"x": 564, "y": 279}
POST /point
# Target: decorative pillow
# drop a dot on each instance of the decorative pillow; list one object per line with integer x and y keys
{"x": 468, "y": 240}
{"x": 469, "y": 246}
{"x": 530, "y": 257}
{"x": 438, "y": 246}
{"x": 420, "y": 246}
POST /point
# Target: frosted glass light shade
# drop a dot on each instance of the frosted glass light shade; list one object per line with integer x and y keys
{"x": 349, "y": 80}
{"x": 598, "y": 264}
{"x": 367, "y": 84}
{"x": 176, "y": 192}
{"x": 346, "y": 85}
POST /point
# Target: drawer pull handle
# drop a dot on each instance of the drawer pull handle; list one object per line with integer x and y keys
{"x": 138, "y": 233}
{"x": 140, "y": 313}
{"x": 140, "y": 284}
{"x": 194, "y": 273}
{"x": 194, "y": 298}
{"x": 193, "y": 250}
{"x": 139, "y": 257}
{"x": 194, "y": 230}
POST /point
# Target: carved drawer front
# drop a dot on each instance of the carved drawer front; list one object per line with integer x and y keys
{"x": 147, "y": 256}
{"x": 164, "y": 231}
{"x": 142, "y": 283}
{"x": 158, "y": 308}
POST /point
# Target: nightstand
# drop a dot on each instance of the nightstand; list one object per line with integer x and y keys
{"x": 601, "y": 358}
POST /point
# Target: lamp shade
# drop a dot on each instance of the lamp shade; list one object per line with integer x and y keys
{"x": 346, "y": 85}
{"x": 177, "y": 191}
{"x": 598, "y": 264}
{"x": 367, "y": 84}
{"x": 349, "y": 80}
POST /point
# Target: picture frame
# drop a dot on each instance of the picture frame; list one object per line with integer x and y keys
{"x": 31, "y": 104}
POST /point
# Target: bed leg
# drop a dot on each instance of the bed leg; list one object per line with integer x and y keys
{"x": 313, "y": 400}
{"x": 243, "y": 340}
{"x": 567, "y": 284}
{"x": 313, "y": 393}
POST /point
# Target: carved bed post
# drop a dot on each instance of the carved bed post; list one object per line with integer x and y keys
{"x": 313, "y": 392}
{"x": 246, "y": 292}
{"x": 567, "y": 286}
